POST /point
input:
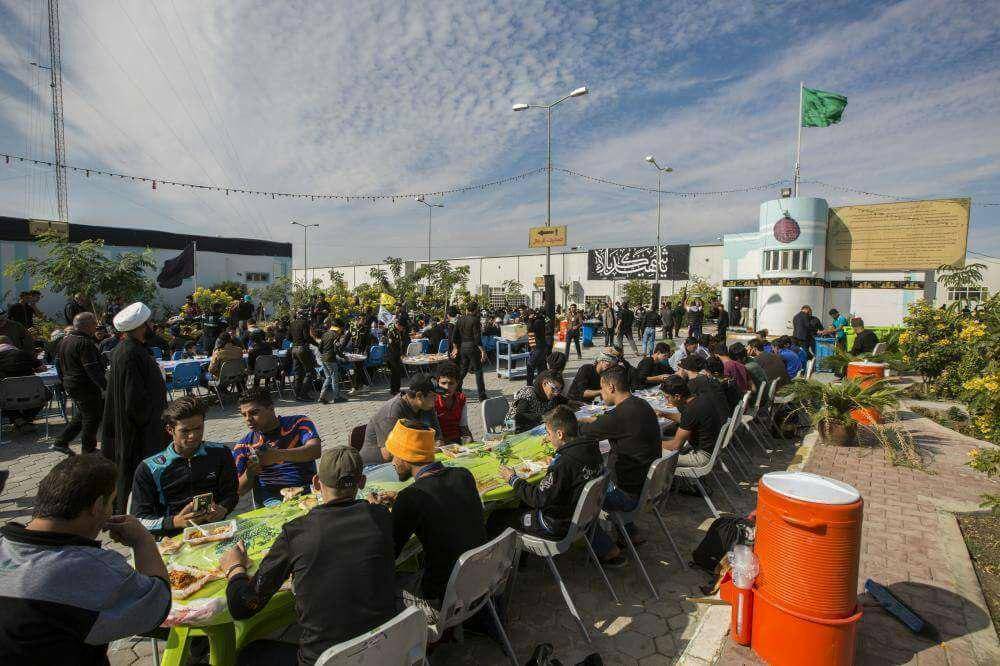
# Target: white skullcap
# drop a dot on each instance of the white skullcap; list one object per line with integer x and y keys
{"x": 132, "y": 317}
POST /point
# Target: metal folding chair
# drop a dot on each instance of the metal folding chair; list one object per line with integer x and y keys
{"x": 494, "y": 411}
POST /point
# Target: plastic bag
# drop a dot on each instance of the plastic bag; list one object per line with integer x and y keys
{"x": 195, "y": 613}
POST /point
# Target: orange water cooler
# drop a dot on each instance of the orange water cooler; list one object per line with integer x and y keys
{"x": 805, "y": 607}
{"x": 563, "y": 327}
{"x": 866, "y": 372}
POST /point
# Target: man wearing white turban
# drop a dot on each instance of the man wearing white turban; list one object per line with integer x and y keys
{"x": 135, "y": 402}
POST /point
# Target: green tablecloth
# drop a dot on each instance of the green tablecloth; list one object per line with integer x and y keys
{"x": 259, "y": 528}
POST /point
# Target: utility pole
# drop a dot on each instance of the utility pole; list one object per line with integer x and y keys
{"x": 58, "y": 135}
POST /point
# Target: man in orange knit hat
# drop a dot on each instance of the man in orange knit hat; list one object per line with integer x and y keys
{"x": 441, "y": 506}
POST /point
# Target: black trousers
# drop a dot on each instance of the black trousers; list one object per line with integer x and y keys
{"x": 609, "y": 336}
{"x": 677, "y": 328}
{"x": 721, "y": 335}
{"x": 305, "y": 367}
{"x": 573, "y": 335}
{"x": 626, "y": 333}
{"x": 469, "y": 359}
{"x": 86, "y": 419}
{"x": 395, "y": 373}
{"x": 266, "y": 652}
{"x": 536, "y": 362}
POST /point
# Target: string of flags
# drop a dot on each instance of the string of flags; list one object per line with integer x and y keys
{"x": 673, "y": 193}
{"x": 372, "y": 198}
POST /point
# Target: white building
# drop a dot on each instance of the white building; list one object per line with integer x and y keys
{"x": 253, "y": 262}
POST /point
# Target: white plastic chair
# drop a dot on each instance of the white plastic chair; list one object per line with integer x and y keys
{"x": 654, "y": 494}
{"x": 494, "y": 411}
{"x": 231, "y": 372}
{"x": 266, "y": 367}
{"x": 415, "y": 348}
{"x": 810, "y": 368}
{"x": 695, "y": 474}
{"x": 23, "y": 393}
{"x": 588, "y": 508}
{"x": 402, "y": 640}
{"x": 879, "y": 349}
{"x": 751, "y": 417}
{"x": 478, "y": 575}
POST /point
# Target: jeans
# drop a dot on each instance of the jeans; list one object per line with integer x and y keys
{"x": 536, "y": 363}
{"x": 615, "y": 499}
{"x": 573, "y": 335}
{"x": 648, "y": 340}
{"x": 331, "y": 380}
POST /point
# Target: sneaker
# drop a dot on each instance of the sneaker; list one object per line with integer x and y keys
{"x": 65, "y": 450}
{"x": 339, "y": 400}
{"x": 615, "y": 562}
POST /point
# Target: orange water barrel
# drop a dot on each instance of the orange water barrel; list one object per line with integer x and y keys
{"x": 808, "y": 542}
{"x": 782, "y": 637}
{"x": 865, "y": 371}
{"x": 563, "y": 327}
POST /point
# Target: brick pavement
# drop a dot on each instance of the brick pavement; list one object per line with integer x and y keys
{"x": 638, "y": 630}
{"x": 912, "y": 545}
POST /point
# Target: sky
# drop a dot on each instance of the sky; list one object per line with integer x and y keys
{"x": 407, "y": 97}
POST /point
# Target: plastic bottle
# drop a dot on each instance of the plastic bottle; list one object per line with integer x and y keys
{"x": 744, "y": 568}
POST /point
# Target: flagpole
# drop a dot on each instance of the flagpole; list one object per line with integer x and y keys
{"x": 798, "y": 145}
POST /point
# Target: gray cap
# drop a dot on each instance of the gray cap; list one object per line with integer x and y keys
{"x": 340, "y": 467}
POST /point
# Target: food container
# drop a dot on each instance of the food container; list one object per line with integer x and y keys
{"x": 220, "y": 531}
{"x": 513, "y": 331}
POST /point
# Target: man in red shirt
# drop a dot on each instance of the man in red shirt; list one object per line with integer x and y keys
{"x": 451, "y": 406}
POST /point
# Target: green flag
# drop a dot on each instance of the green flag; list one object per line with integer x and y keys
{"x": 821, "y": 108}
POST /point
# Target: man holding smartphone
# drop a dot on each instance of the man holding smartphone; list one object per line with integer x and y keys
{"x": 190, "y": 481}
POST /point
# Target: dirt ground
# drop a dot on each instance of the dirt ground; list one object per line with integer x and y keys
{"x": 982, "y": 536}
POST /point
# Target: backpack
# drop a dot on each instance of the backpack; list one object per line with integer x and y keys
{"x": 723, "y": 534}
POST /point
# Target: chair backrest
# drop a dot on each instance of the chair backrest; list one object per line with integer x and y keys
{"x": 231, "y": 370}
{"x": 17, "y": 393}
{"x": 588, "y": 507}
{"x": 734, "y": 419}
{"x": 494, "y": 412}
{"x": 266, "y": 365}
{"x": 157, "y": 353}
{"x": 376, "y": 355}
{"x": 186, "y": 375}
{"x": 810, "y": 366}
{"x": 772, "y": 387}
{"x": 401, "y": 641}
{"x": 177, "y": 355}
{"x": 477, "y": 575}
{"x": 489, "y": 342}
{"x": 442, "y": 347}
{"x": 356, "y": 439}
{"x": 414, "y": 348}
{"x": 287, "y": 344}
{"x": 658, "y": 480}
{"x": 879, "y": 349}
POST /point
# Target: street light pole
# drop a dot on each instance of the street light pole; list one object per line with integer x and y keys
{"x": 305, "y": 248}
{"x": 430, "y": 209}
{"x": 659, "y": 175}
{"x": 579, "y": 92}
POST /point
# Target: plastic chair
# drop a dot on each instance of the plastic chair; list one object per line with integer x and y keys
{"x": 266, "y": 367}
{"x": 177, "y": 355}
{"x": 494, "y": 412}
{"x": 654, "y": 492}
{"x": 157, "y": 353}
{"x": 286, "y": 344}
{"x": 185, "y": 376}
{"x": 879, "y": 349}
{"x": 153, "y": 641}
{"x": 750, "y": 416}
{"x": 588, "y": 508}
{"x": 376, "y": 359}
{"x": 402, "y": 640}
{"x": 356, "y": 439}
{"x": 231, "y": 372}
{"x": 478, "y": 575}
{"x": 695, "y": 474}
{"x": 414, "y": 348}
{"x": 22, "y": 393}
{"x": 443, "y": 347}
{"x": 810, "y": 368}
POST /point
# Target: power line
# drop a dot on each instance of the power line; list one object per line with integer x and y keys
{"x": 653, "y": 190}
{"x": 854, "y": 190}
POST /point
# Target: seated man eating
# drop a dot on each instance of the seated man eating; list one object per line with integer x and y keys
{"x": 278, "y": 452}
{"x": 441, "y": 507}
{"x": 450, "y": 405}
{"x": 339, "y": 556}
{"x": 415, "y": 403}
{"x": 652, "y": 370}
{"x": 165, "y": 485}
{"x": 551, "y": 502}
{"x": 587, "y": 383}
{"x": 698, "y": 425}
{"x": 532, "y": 402}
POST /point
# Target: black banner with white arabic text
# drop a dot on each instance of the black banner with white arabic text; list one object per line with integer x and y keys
{"x": 638, "y": 263}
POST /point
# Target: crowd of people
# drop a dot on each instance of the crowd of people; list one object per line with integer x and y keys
{"x": 155, "y": 473}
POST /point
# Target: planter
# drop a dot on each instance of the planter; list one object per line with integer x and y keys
{"x": 866, "y": 415}
{"x": 836, "y": 433}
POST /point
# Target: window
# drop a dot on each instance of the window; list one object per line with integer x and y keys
{"x": 787, "y": 260}
{"x": 258, "y": 277}
{"x": 971, "y": 294}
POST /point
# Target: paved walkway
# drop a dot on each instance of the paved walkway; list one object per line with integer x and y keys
{"x": 639, "y": 630}
{"x": 912, "y": 545}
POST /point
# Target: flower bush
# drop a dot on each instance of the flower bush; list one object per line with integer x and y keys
{"x": 207, "y": 297}
{"x": 987, "y": 461}
{"x": 929, "y": 345}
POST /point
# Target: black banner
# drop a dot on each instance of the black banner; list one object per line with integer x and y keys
{"x": 638, "y": 263}
{"x": 175, "y": 270}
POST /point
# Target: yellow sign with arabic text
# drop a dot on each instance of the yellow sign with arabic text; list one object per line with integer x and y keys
{"x": 907, "y": 235}
{"x": 547, "y": 237}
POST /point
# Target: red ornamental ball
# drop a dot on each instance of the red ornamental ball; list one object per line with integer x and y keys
{"x": 786, "y": 229}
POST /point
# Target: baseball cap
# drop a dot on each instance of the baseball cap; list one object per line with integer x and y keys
{"x": 340, "y": 467}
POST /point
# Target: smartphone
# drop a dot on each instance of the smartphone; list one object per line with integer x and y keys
{"x": 202, "y": 503}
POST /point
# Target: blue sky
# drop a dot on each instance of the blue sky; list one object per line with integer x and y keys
{"x": 404, "y": 97}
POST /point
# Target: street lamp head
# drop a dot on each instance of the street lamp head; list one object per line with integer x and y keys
{"x": 650, "y": 159}
{"x": 669, "y": 169}
{"x": 520, "y": 107}
{"x": 582, "y": 90}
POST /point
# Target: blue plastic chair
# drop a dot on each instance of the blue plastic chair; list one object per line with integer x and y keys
{"x": 186, "y": 376}
{"x": 376, "y": 359}
{"x": 443, "y": 347}
{"x": 426, "y": 345}
{"x": 287, "y": 344}
{"x": 489, "y": 343}
{"x": 177, "y": 355}
{"x": 157, "y": 353}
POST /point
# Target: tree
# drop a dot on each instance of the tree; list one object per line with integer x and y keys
{"x": 638, "y": 292}
{"x": 443, "y": 280}
{"x": 275, "y": 296}
{"x": 236, "y": 290}
{"x": 513, "y": 293}
{"x": 961, "y": 278}
{"x": 70, "y": 268}
{"x": 395, "y": 282}
{"x": 703, "y": 289}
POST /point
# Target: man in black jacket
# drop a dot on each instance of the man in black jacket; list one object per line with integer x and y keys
{"x": 340, "y": 558}
{"x": 81, "y": 367}
{"x": 165, "y": 485}
{"x": 805, "y": 327}
{"x": 300, "y": 333}
{"x": 467, "y": 344}
{"x": 626, "y": 318}
{"x": 537, "y": 345}
{"x": 549, "y": 504}
{"x": 865, "y": 340}
{"x": 75, "y": 307}
{"x": 634, "y": 433}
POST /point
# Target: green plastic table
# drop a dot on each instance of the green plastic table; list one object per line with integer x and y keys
{"x": 259, "y": 528}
